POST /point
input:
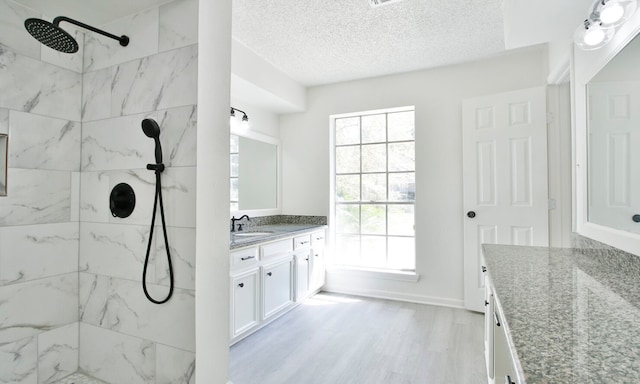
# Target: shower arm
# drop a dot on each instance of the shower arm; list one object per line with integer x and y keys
{"x": 124, "y": 40}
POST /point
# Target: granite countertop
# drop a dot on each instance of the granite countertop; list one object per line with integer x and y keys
{"x": 571, "y": 316}
{"x": 275, "y": 232}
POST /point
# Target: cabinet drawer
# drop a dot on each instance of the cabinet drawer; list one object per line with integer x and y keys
{"x": 300, "y": 242}
{"x": 244, "y": 258}
{"x": 318, "y": 239}
{"x": 276, "y": 248}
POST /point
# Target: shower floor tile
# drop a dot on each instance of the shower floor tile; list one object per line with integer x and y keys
{"x": 79, "y": 378}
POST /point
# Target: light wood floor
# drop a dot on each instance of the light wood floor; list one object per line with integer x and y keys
{"x": 338, "y": 339}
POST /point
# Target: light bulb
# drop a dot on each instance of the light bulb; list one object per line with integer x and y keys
{"x": 593, "y": 37}
{"x": 611, "y": 13}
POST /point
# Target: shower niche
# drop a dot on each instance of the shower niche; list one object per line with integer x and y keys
{"x": 4, "y": 149}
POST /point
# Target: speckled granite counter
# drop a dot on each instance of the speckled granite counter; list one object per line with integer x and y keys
{"x": 274, "y": 232}
{"x": 572, "y": 316}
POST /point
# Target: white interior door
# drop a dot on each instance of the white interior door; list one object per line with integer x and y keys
{"x": 614, "y": 137}
{"x": 505, "y": 178}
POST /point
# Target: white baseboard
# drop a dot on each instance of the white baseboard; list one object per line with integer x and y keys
{"x": 398, "y": 296}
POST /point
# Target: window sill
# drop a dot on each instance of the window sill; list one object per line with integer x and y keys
{"x": 408, "y": 276}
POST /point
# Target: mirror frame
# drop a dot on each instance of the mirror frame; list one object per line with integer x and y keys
{"x": 586, "y": 64}
{"x": 270, "y": 140}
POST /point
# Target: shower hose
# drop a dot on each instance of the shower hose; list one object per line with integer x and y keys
{"x": 158, "y": 168}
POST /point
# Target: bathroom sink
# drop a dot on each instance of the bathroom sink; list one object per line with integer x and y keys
{"x": 251, "y": 234}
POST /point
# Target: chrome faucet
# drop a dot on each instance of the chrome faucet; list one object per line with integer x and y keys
{"x": 233, "y": 222}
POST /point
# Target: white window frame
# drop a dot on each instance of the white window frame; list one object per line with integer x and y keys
{"x": 334, "y": 264}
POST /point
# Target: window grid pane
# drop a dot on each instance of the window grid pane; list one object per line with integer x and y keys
{"x": 375, "y": 190}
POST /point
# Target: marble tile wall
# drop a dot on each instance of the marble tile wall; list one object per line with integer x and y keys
{"x": 154, "y": 77}
{"x": 74, "y": 132}
{"x": 40, "y": 109}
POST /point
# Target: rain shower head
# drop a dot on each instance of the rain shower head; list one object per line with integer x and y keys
{"x": 51, "y": 35}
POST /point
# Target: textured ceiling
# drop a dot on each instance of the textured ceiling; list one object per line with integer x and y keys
{"x": 325, "y": 41}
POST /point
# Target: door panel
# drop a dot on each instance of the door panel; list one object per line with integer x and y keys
{"x": 486, "y": 173}
{"x": 505, "y": 177}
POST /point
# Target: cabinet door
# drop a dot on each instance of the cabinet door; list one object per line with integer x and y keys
{"x": 503, "y": 363}
{"x": 244, "y": 303}
{"x": 488, "y": 330}
{"x": 277, "y": 287}
{"x": 317, "y": 269}
{"x": 303, "y": 269}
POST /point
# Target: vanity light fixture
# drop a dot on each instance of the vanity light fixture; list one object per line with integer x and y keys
{"x": 244, "y": 114}
{"x": 244, "y": 125}
{"x": 599, "y": 27}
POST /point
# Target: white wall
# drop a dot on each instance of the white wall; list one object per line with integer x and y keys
{"x": 559, "y": 61}
{"x": 212, "y": 220}
{"x": 258, "y": 82}
{"x": 559, "y": 158}
{"x": 437, "y": 96}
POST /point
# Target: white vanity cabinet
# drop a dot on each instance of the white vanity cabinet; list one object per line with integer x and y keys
{"x": 271, "y": 278}
{"x": 500, "y": 364}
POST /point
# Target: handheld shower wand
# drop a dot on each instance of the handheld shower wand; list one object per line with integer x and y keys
{"x": 152, "y": 130}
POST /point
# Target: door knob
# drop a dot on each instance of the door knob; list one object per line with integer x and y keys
{"x": 471, "y": 214}
{"x": 636, "y": 218}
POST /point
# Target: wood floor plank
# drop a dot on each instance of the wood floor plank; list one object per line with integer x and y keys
{"x": 339, "y": 339}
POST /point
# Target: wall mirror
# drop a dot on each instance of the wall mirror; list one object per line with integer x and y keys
{"x": 254, "y": 174}
{"x": 606, "y": 96}
{"x": 4, "y": 149}
{"x": 613, "y": 143}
